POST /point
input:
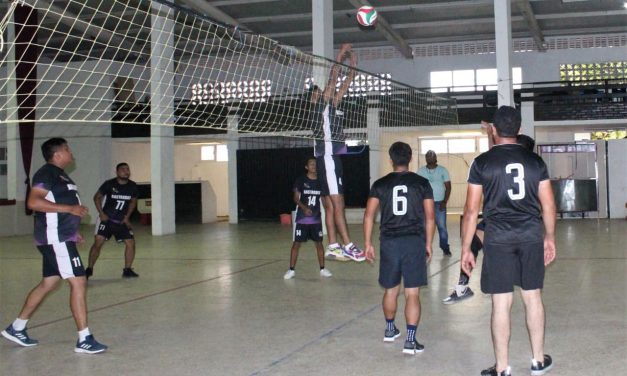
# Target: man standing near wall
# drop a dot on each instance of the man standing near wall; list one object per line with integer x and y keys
{"x": 441, "y": 185}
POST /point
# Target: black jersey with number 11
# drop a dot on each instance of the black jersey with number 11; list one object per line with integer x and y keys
{"x": 510, "y": 176}
{"x": 401, "y": 196}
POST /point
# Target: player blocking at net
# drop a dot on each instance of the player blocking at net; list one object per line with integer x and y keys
{"x": 329, "y": 145}
{"x": 406, "y": 232}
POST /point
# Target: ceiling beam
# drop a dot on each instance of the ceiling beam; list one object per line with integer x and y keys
{"x": 388, "y": 32}
{"x": 536, "y": 32}
{"x": 204, "y": 7}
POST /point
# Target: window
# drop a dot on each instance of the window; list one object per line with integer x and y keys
{"x": 582, "y": 136}
{"x": 217, "y": 152}
{"x": 470, "y": 80}
{"x": 461, "y": 145}
{"x": 362, "y": 84}
{"x": 453, "y": 145}
{"x": 438, "y": 146}
{"x": 609, "y": 70}
{"x": 483, "y": 145}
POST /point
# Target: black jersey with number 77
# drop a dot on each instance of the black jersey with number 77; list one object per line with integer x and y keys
{"x": 117, "y": 198}
{"x": 510, "y": 177}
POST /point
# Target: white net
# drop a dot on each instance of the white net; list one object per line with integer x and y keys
{"x": 134, "y": 62}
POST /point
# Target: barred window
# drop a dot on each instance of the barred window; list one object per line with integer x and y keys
{"x": 609, "y": 70}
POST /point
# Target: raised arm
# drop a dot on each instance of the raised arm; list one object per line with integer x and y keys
{"x": 349, "y": 77}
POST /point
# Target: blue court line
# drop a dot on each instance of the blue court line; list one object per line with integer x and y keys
{"x": 330, "y": 332}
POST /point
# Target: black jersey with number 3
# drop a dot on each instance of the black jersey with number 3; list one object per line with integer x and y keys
{"x": 510, "y": 177}
{"x": 117, "y": 198}
{"x": 401, "y": 196}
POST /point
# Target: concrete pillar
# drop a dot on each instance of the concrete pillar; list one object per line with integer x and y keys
{"x": 526, "y": 113}
{"x": 232, "y": 146}
{"x": 503, "y": 31}
{"x": 374, "y": 143}
{"x": 162, "y": 119}
{"x": 322, "y": 31}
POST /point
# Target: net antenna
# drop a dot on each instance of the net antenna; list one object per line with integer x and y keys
{"x": 93, "y": 64}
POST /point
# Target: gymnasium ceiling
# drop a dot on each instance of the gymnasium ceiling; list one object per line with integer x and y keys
{"x": 401, "y": 22}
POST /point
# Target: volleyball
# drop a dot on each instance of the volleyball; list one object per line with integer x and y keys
{"x": 367, "y": 16}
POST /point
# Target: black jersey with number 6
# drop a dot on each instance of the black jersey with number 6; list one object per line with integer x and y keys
{"x": 401, "y": 196}
{"x": 510, "y": 177}
{"x": 117, "y": 198}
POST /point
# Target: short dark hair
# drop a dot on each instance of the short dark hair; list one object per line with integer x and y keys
{"x": 311, "y": 157}
{"x": 507, "y": 121}
{"x": 400, "y": 153}
{"x": 121, "y": 164}
{"x": 525, "y": 141}
{"x": 51, "y": 146}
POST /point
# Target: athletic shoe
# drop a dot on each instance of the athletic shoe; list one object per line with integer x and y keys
{"x": 460, "y": 293}
{"x": 325, "y": 273}
{"x": 391, "y": 335}
{"x": 538, "y": 368}
{"x": 89, "y": 272}
{"x": 291, "y": 273}
{"x": 129, "y": 273}
{"x": 89, "y": 346}
{"x": 447, "y": 253}
{"x": 335, "y": 253}
{"x": 19, "y": 336}
{"x": 492, "y": 371}
{"x": 413, "y": 347}
{"x": 354, "y": 253}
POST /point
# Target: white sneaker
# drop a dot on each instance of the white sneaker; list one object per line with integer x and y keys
{"x": 335, "y": 253}
{"x": 325, "y": 273}
{"x": 289, "y": 274}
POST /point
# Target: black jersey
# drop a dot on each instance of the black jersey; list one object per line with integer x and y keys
{"x": 401, "y": 196}
{"x": 510, "y": 176}
{"x": 116, "y": 198}
{"x": 329, "y": 130}
{"x": 310, "y": 191}
{"x": 53, "y": 228}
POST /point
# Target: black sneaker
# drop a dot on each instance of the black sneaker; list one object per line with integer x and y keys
{"x": 538, "y": 368}
{"x": 447, "y": 253}
{"x": 129, "y": 273}
{"x": 413, "y": 347}
{"x": 391, "y": 335}
{"x": 492, "y": 371}
{"x": 460, "y": 293}
{"x": 89, "y": 272}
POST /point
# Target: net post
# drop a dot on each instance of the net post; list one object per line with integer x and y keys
{"x": 374, "y": 140}
{"x": 232, "y": 146}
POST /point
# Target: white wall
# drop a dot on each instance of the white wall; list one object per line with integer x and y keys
{"x": 187, "y": 167}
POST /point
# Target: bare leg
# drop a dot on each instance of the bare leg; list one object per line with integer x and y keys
{"x": 340, "y": 217}
{"x": 94, "y": 251}
{"x": 534, "y": 312}
{"x": 329, "y": 219}
{"x": 390, "y": 301}
{"x": 78, "y": 301}
{"x": 129, "y": 252}
{"x": 294, "y": 254}
{"x": 412, "y": 306}
{"x": 320, "y": 252}
{"x": 501, "y": 328}
{"x": 37, "y": 295}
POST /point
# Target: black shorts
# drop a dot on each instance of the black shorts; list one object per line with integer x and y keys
{"x": 330, "y": 173}
{"x": 506, "y": 265}
{"x": 119, "y": 230}
{"x": 61, "y": 259}
{"x": 303, "y": 232}
{"x": 404, "y": 257}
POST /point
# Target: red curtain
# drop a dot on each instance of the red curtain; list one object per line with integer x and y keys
{"x": 26, "y": 53}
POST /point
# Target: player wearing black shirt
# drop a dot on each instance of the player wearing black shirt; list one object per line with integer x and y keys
{"x": 307, "y": 197}
{"x": 58, "y": 210}
{"x": 406, "y": 233}
{"x": 115, "y": 201}
{"x": 519, "y": 211}
{"x": 328, "y": 146}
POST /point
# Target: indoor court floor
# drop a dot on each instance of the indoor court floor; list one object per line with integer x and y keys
{"x": 211, "y": 300}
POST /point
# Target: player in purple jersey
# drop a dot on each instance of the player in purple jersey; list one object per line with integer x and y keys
{"x": 519, "y": 211}
{"x": 329, "y": 145}
{"x": 115, "y": 201}
{"x": 58, "y": 210}
{"x": 406, "y": 232}
{"x": 307, "y": 197}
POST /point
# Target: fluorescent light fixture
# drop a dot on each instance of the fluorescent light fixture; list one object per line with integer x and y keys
{"x": 625, "y": 4}
{"x": 203, "y": 143}
{"x": 462, "y": 134}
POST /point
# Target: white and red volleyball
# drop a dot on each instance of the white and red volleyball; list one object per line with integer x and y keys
{"x": 367, "y": 16}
